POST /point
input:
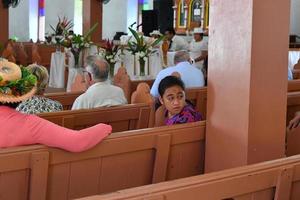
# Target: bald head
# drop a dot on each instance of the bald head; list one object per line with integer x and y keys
{"x": 98, "y": 67}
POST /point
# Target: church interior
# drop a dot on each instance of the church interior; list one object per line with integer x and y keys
{"x": 150, "y": 99}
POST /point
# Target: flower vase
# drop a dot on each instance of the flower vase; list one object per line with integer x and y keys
{"x": 58, "y": 48}
{"x": 77, "y": 59}
{"x": 142, "y": 63}
{"x": 111, "y": 70}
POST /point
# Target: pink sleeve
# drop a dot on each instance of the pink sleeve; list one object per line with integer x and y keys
{"x": 22, "y": 129}
{"x": 52, "y": 135}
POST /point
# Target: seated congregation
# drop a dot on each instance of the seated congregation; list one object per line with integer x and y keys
{"x": 156, "y": 113}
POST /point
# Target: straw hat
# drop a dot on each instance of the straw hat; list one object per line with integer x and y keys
{"x": 155, "y": 32}
{"x": 16, "y": 83}
{"x": 198, "y": 30}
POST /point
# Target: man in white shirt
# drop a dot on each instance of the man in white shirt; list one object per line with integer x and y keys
{"x": 190, "y": 75}
{"x": 176, "y": 43}
{"x": 198, "y": 48}
{"x": 101, "y": 93}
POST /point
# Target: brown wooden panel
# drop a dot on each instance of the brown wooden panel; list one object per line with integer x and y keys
{"x": 84, "y": 178}
{"x": 263, "y": 181}
{"x": 78, "y": 119}
{"x": 294, "y": 85}
{"x": 39, "y": 175}
{"x": 127, "y": 170}
{"x": 182, "y": 163}
{"x": 58, "y": 182}
{"x": 14, "y": 185}
{"x": 293, "y": 138}
{"x": 295, "y": 193}
{"x": 121, "y": 126}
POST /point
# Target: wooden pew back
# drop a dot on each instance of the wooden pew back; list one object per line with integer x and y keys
{"x": 65, "y": 98}
{"x": 122, "y": 160}
{"x": 127, "y": 160}
{"x": 23, "y": 173}
{"x": 121, "y": 118}
{"x": 294, "y": 85}
{"x": 278, "y": 179}
{"x": 198, "y": 96}
{"x": 293, "y": 137}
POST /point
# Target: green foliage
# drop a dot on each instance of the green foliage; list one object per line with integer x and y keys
{"x": 139, "y": 46}
{"x": 21, "y": 86}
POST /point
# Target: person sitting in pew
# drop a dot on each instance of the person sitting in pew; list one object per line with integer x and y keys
{"x": 38, "y": 103}
{"x": 294, "y": 123}
{"x": 101, "y": 93}
{"x": 190, "y": 75}
{"x": 172, "y": 97}
{"x": 17, "y": 129}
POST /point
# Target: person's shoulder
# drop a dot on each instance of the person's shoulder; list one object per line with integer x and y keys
{"x": 115, "y": 88}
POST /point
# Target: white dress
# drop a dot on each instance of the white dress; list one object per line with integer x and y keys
{"x": 196, "y": 49}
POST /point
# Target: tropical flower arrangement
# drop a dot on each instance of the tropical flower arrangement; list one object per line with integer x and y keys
{"x": 60, "y": 31}
{"x": 110, "y": 52}
{"x": 76, "y": 43}
{"x": 142, "y": 49}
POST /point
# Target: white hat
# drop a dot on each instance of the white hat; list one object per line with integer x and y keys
{"x": 198, "y": 30}
{"x": 155, "y": 32}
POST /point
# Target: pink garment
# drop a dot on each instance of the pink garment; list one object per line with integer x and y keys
{"x": 17, "y": 129}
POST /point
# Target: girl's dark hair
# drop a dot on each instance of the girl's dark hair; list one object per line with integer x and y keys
{"x": 168, "y": 82}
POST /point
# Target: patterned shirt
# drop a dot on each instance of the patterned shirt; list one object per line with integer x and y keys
{"x": 188, "y": 114}
{"x": 38, "y": 104}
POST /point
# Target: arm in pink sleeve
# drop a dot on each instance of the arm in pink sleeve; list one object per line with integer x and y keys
{"x": 50, "y": 134}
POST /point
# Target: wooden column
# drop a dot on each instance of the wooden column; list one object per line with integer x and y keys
{"x": 92, "y": 14}
{"x": 248, "y": 56}
{"x": 3, "y": 24}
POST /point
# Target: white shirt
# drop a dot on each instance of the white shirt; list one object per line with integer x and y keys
{"x": 190, "y": 75}
{"x": 101, "y": 94}
{"x": 178, "y": 44}
{"x": 196, "y": 49}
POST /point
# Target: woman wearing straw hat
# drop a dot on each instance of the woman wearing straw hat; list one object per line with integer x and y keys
{"x": 17, "y": 85}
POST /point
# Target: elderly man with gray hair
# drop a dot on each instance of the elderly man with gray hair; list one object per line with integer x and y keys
{"x": 190, "y": 75}
{"x": 100, "y": 93}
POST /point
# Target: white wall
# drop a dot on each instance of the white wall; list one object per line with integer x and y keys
{"x": 295, "y": 17}
{"x": 33, "y": 19}
{"x": 114, "y": 18}
{"x": 18, "y": 21}
{"x": 132, "y": 10}
{"x": 55, "y": 9}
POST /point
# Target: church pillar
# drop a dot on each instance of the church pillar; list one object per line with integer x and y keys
{"x": 247, "y": 82}
{"x": 92, "y": 14}
{"x": 4, "y": 24}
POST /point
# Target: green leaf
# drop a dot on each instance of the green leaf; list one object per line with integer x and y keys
{"x": 135, "y": 35}
{"x": 89, "y": 33}
{"x": 156, "y": 42}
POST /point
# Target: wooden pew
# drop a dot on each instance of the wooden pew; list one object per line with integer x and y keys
{"x": 23, "y": 172}
{"x": 277, "y": 179}
{"x": 65, "y": 98}
{"x": 294, "y": 85}
{"x": 293, "y": 138}
{"x": 122, "y": 160}
{"x": 198, "y": 96}
{"x": 128, "y": 159}
{"x": 121, "y": 118}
